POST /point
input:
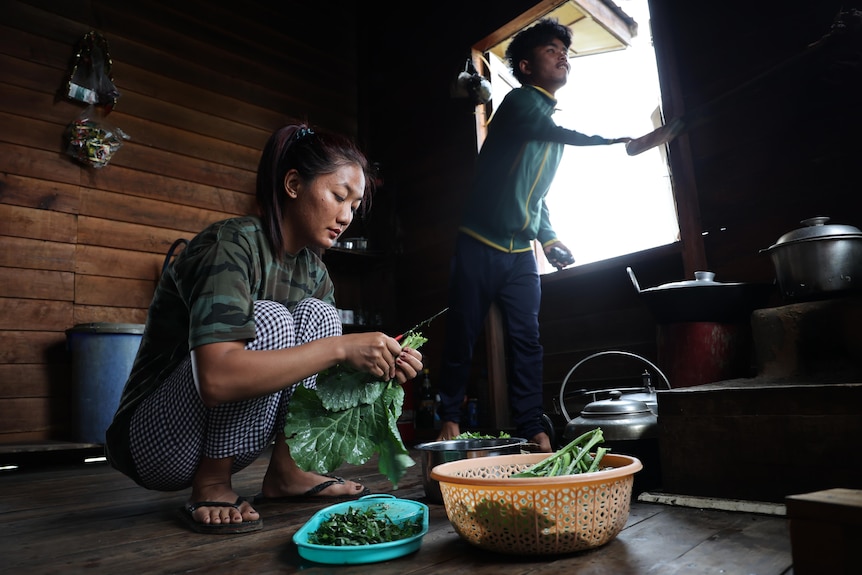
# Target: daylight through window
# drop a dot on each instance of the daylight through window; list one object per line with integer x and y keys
{"x": 603, "y": 202}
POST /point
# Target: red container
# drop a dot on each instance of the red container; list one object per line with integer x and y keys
{"x": 698, "y": 352}
{"x": 407, "y": 422}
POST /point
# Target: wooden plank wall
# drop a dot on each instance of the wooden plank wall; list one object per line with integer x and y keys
{"x": 199, "y": 97}
{"x": 780, "y": 145}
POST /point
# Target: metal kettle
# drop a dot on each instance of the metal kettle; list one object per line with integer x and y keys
{"x": 620, "y": 419}
{"x": 582, "y": 397}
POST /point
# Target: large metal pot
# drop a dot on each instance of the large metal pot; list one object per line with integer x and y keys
{"x": 434, "y": 453}
{"x": 817, "y": 260}
{"x": 703, "y": 299}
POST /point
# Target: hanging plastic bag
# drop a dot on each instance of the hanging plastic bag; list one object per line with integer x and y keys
{"x": 92, "y": 140}
{"x": 90, "y": 80}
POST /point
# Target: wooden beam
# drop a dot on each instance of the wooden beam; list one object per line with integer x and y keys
{"x": 607, "y": 19}
{"x": 681, "y": 162}
{"x": 597, "y": 10}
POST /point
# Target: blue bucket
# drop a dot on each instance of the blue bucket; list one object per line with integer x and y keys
{"x": 102, "y": 357}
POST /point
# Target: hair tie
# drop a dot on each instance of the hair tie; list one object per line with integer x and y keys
{"x": 301, "y": 133}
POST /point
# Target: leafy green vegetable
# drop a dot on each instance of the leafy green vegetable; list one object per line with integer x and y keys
{"x": 572, "y": 459}
{"x": 362, "y": 527}
{"x": 348, "y": 418}
{"x": 477, "y": 435}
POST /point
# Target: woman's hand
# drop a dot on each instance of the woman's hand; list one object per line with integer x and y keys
{"x": 381, "y": 356}
{"x": 408, "y": 365}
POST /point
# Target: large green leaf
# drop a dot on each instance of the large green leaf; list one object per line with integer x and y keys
{"x": 394, "y": 457}
{"x": 344, "y": 387}
{"x": 322, "y": 440}
{"x": 349, "y": 417}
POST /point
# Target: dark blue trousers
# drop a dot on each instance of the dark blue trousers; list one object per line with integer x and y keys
{"x": 479, "y": 276}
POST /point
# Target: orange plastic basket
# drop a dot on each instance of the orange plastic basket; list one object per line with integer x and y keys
{"x": 536, "y": 516}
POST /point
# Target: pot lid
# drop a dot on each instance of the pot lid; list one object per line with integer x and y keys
{"x": 816, "y": 228}
{"x": 701, "y": 280}
{"x": 616, "y": 405}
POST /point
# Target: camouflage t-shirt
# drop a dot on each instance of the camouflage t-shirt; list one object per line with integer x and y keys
{"x": 206, "y": 296}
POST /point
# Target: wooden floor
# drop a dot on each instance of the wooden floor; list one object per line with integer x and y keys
{"x": 77, "y": 518}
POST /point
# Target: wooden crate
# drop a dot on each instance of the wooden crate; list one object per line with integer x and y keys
{"x": 825, "y": 531}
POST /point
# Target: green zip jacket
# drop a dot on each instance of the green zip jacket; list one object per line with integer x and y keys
{"x": 516, "y": 165}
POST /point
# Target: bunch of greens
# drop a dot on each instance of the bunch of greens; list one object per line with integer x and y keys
{"x": 477, "y": 435}
{"x": 572, "y": 459}
{"x": 349, "y": 417}
{"x": 358, "y": 527}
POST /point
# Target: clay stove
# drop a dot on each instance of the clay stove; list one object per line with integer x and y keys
{"x": 794, "y": 427}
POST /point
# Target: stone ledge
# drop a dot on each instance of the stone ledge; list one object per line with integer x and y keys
{"x": 809, "y": 339}
{"x": 740, "y": 505}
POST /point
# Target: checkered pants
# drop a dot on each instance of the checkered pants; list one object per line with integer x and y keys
{"x": 172, "y": 429}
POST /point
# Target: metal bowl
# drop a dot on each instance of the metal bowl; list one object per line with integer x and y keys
{"x": 434, "y": 453}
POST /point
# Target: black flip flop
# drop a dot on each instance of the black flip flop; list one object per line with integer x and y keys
{"x": 312, "y": 494}
{"x": 186, "y": 514}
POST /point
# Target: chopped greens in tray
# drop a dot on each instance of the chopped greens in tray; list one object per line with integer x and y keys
{"x": 348, "y": 418}
{"x": 362, "y": 527}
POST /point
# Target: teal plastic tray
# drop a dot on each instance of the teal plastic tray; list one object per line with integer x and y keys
{"x": 399, "y": 510}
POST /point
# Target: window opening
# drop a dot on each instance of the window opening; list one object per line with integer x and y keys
{"x": 604, "y": 203}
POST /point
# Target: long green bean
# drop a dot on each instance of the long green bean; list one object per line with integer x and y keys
{"x": 572, "y": 459}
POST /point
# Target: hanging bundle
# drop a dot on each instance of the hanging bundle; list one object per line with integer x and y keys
{"x": 93, "y": 140}
{"x": 90, "y": 79}
{"x": 90, "y": 138}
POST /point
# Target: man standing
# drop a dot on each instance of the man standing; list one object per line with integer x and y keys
{"x": 504, "y": 213}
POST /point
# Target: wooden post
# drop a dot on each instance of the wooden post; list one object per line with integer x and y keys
{"x": 498, "y": 393}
